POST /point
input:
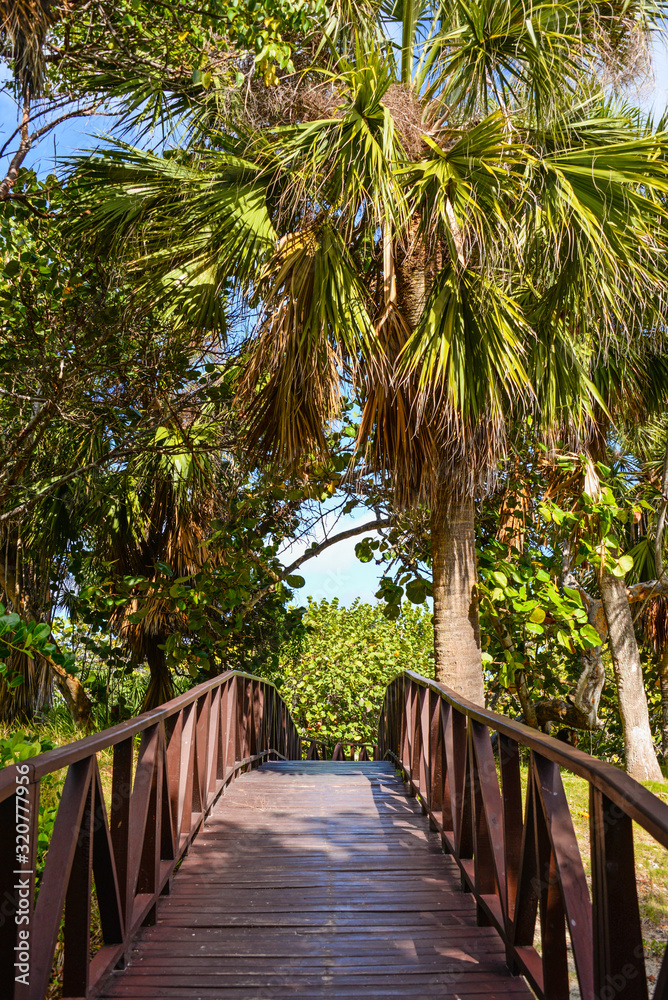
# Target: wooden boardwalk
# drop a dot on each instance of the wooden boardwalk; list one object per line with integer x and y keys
{"x": 316, "y": 880}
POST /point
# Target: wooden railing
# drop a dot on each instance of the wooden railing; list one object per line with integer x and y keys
{"x": 169, "y": 767}
{"x": 342, "y": 750}
{"x": 518, "y": 853}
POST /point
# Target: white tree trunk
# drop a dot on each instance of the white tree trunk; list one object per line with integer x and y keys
{"x": 641, "y": 759}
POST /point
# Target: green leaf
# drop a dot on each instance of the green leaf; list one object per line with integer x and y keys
{"x": 626, "y": 563}
{"x": 416, "y": 591}
{"x": 590, "y": 636}
{"x": 295, "y": 581}
{"x": 392, "y": 611}
{"x": 573, "y": 594}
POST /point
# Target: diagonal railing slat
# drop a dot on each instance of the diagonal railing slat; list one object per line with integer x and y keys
{"x": 189, "y": 750}
{"x": 521, "y": 859}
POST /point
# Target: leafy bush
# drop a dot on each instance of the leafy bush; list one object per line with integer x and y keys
{"x": 334, "y": 679}
{"x": 18, "y": 747}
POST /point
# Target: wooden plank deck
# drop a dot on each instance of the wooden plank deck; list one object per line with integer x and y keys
{"x": 316, "y": 880}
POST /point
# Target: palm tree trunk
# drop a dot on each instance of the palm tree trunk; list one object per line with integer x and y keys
{"x": 160, "y": 686}
{"x": 455, "y": 588}
{"x": 641, "y": 760}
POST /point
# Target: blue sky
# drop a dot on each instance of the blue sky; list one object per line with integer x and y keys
{"x": 337, "y": 572}
{"x": 659, "y": 94}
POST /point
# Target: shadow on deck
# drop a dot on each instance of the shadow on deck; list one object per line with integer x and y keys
{"x": 318, "y": 880}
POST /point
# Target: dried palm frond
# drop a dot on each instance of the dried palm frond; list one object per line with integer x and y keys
{"x": 398, "y": 448}
{"x": 314, "y": 319}
{"x": 407, "y": 112}
{"x": 35, "y": 691}
{"x": 653, "y": 622}
{"x": 26, "y": 23}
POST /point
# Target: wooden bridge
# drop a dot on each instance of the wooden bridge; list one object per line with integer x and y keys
{"x": 207, "y": 860}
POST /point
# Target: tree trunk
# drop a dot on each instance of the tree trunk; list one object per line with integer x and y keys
{"x": 75, "y": 696}
{"x": 71, "y": 688}
{"x": 641, "y": 760}
{"x": 663, "y": 675}
{"x": 455, "y": 587}
{"x": 160, "y": 687}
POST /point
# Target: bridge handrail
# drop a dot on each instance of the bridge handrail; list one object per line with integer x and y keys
{"x": 523, "y": 860}
{"x": 189, "y": 750}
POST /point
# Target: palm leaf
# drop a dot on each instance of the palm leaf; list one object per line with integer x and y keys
{"x": 314, "y": 320}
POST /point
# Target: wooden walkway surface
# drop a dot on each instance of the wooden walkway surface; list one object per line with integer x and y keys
{"x": 316, "y": 880}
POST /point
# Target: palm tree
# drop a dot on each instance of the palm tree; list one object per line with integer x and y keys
{"x": 454, "y": 230}
{"x": 157, "y": 510}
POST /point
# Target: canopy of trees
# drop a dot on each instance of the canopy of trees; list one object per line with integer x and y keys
{"x": 337, "y": 254}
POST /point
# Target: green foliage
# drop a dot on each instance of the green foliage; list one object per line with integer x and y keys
{"x": 31, "y": 638}
{"x": 335, "y": 677}
{"x": 20, "y": 746}
{"x": 151, "y": 62}
{"x": 521, "y": 598}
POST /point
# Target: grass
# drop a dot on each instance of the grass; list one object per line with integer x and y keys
{"x": 54, "y": 730}
{"x": 651, "y": 860}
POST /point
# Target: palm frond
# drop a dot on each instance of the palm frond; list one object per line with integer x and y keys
{"x": 314, "y": 320}
{"x": 189, "y": 227}
{"x": 25, "y": 24}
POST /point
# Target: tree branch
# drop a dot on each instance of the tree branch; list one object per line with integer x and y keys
{"x": 311, "y": 553}
{"x": 24, "y": 147}
{"x": 28, "y": 140}
{"x": 333, "y": 539}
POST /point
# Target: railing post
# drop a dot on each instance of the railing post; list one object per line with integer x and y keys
{"x": 489, "y": 853}
{"x": 449, "y": 797}
{"x": 455, "y": 752}
{"x": 203, "y": 717}
{"x": 229, "y": 710}
{"x": 550, "y": 901}
{"x": 511, "y": 792}
{"x": 262, "y": 738}
{"x": 121, "y": 790}
{"x": 214, "y": 750}
{"x": 424, "y": 760}
{"x": 241, "y": 719}
{"x": 619, "y": 960}
{"x": 254, "y": 719}
{"x": 19, "y": 814}
{"x": 145, "y": 819}
{"x": 436, "y": 770}
{"x": 76, "y": 942}
{"x": 406, "y": 723}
